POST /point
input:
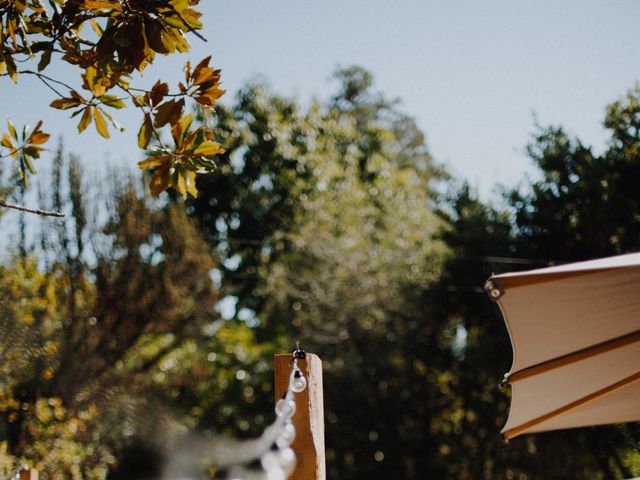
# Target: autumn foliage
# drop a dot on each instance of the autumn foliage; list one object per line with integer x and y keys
{"x": 109, "y": 41}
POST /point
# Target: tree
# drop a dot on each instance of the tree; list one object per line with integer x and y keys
{"x": 88, "y": 312}
{"x": 107, "y": 42}
{"x": 323, "y": 218}
{"x": 246, "y": 207}
{"x": 584, "y": 206}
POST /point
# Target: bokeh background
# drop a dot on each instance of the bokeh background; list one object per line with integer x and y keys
{"x": 382, "y": 162}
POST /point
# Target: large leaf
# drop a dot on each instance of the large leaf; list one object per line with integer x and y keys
{"x": 101, "y": 125}
{"x": 146, "y": 130}
{"x": 87, "y": 115}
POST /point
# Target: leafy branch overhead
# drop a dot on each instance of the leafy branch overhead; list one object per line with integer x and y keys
{"x": 108, "y": 41}
{"x": 24, "y": 147}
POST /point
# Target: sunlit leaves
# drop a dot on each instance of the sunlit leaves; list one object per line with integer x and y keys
{"x": 168, "y": 112}
{"x": 193, "y": 152}
{"x": 24, "y": 147}
{"x": 75, "y": 334}
{"x": 86, "y": 119}
{"x": 205, "y": 83}
{"x": 194, "y": 149}
{"x": 101, "y": 125}
{"x": 108, "y": 40}
{"x": 66, "y": 103}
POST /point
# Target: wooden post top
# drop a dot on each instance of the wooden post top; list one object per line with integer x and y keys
{"x": 309, "y": 417}
{"x": 29, "y": 474}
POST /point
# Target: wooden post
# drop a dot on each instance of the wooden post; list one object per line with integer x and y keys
{"x": 29, "y": 474}
{"x": 309, "y": 416}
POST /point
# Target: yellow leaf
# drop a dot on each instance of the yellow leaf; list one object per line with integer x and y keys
{"x": 208, "y": 148}
{"x": 96, "y": 27}
{"x": 85, "y": 120}
{"x": 209, "y": 98}
{"x": 151, "y": 162}
{"x": 38, "y": 138}
{"x": 112, "y": 101}
{"x": 102, "y": 5}
{"x": 182, "y": 44}
{"x": 6, "y": 141}
{"x": 64, "y": 103}
{"x": 192, "y": 17}
{"x": 12, "y": 70}
{"x": 11, "y": 28}
{"x": 178, "y": 129}
{"x": 101, "y": 125}
{"x": 204, "y": 63}
{"x": 12, "y": 129}
{"x": 168, "y": 41}
{"x": 180, "y": 183}
{"x": 144, "y": 135}
{"x": 191, "y": 184}
{"x": 179, "y": 5}
{"x": 175, "y": 22}
{"x": 140, "y": 100}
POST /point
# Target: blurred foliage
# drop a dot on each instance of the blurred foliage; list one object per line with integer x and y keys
{"x": 323, "y": 219}
{"x": 107, "y": 41}
{"x": 583, "y": 206}
{"x": 87, "y": 312}
{"x": 328, "y": 223}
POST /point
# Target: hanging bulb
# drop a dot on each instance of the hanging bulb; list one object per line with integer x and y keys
{"x": 276, "y": 474}
{"x": 287, "y": 460}
{"x": 269, "y": 461}
{"x": 286, "y": 435}
{"x": 299, "y": 382}
{"x": 286, "y": 408}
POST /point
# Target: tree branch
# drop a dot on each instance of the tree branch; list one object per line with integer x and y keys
{"x": 36, "y": 211}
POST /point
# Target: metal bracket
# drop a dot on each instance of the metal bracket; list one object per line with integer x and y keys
{"x": 493, "y": 289}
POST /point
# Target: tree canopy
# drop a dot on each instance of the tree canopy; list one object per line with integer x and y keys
{"x": 108, "y": 42}
{"x": 328, "y": 223}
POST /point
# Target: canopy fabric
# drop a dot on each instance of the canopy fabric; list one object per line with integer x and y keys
{"x": 575, "y": 332}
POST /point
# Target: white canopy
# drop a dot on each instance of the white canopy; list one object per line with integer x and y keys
{"x": 575, "y": 331}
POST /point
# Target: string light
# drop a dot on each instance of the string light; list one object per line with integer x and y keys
{"x": 276, "y": 458}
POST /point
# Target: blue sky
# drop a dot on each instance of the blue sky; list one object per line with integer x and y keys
{"x": 471, "y": 73}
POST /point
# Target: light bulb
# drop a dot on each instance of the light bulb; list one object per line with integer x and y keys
{"x": 299, "y": 383}
{"x": 269, "y": 461}
{"x": 287, "y": 460}
{"x": 286, "y": 408}
{"x": 286, "y": 435}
